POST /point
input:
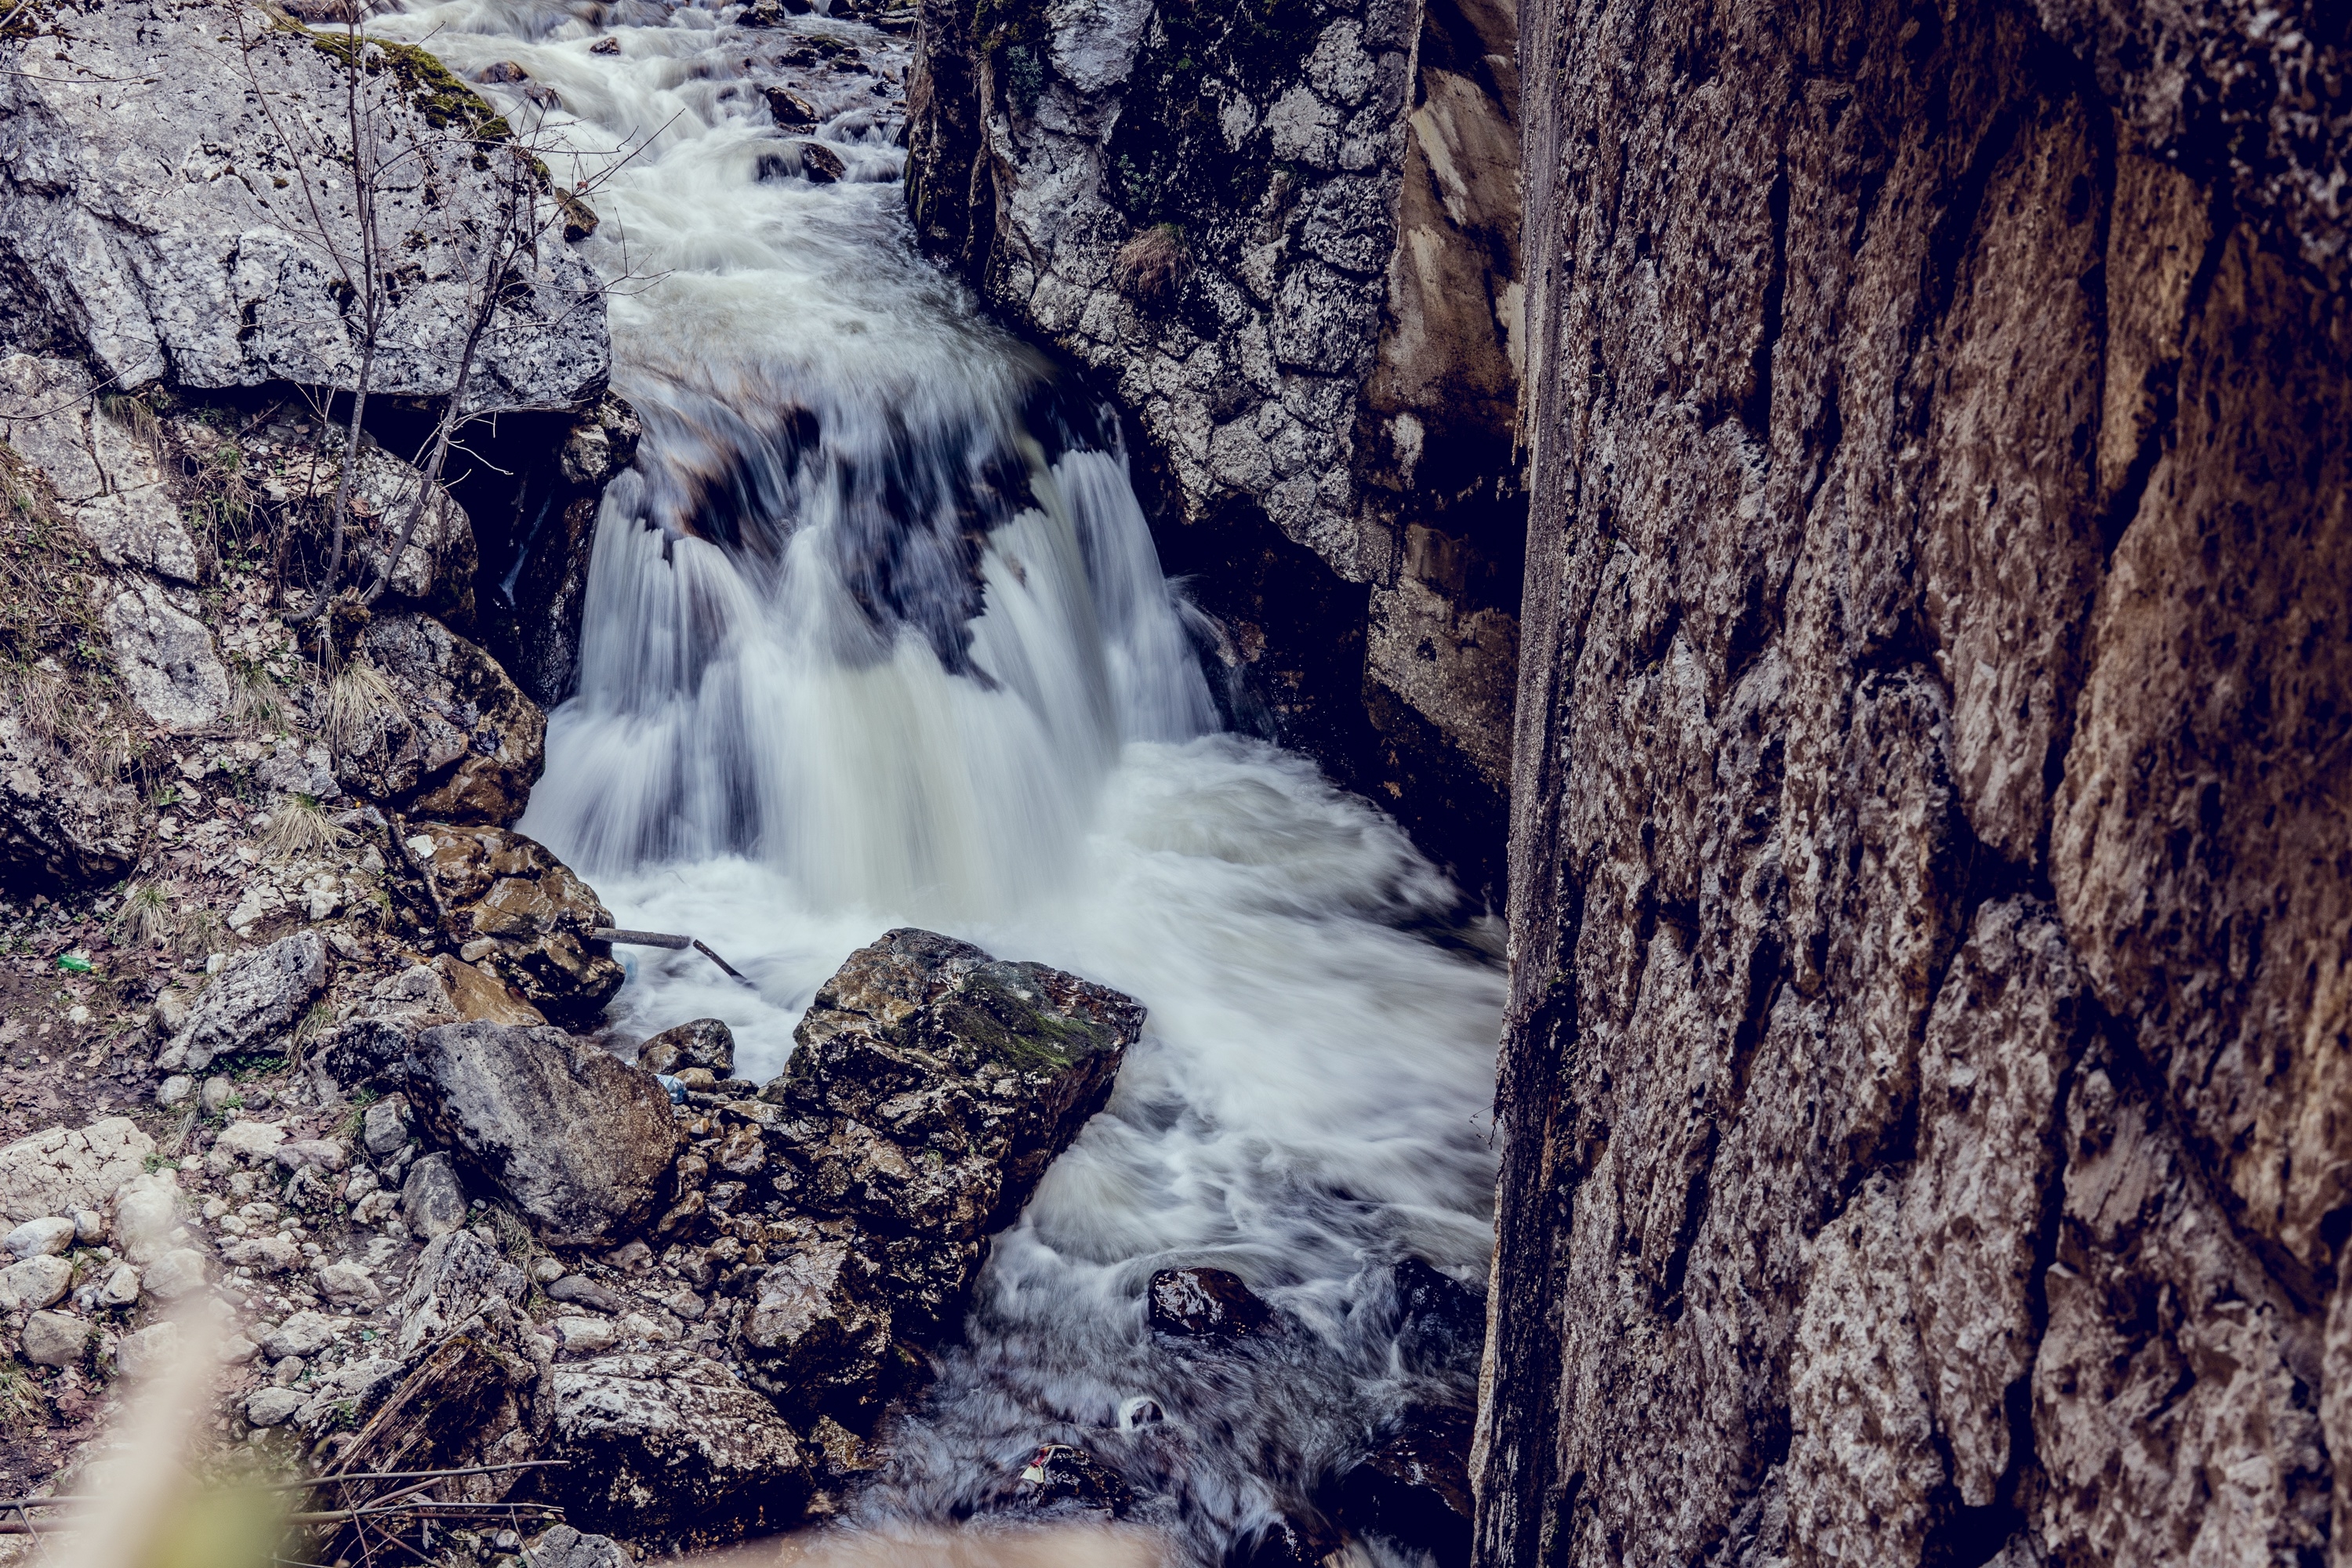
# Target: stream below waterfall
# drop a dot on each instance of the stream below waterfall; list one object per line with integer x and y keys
{"x": 876, "y": 636}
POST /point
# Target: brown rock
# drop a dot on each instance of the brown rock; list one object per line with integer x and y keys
{"x": 1930, "y": 1129}
{"x": 475, "y": 996}
{"x": 440, "y": 731}
{"x": 704, "y": 1043}
{"x": 529, "y": 914}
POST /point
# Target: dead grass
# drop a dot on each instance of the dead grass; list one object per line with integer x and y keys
{"x": 299, "y": 829}
{"x": 1152, "y": 266}
{"x": 357, "y": 701}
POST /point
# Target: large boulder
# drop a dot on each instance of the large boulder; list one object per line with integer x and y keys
{"x": 932, "y": 1086}
{"x": 520, "y": 917}
{"x": 62, "y": 1169}
{"x": 580, "y": 1140}
{"x": 443, "y": 733}
{"x": 190, "y": 259}
{"x": 671, "y": 1445}
{"x": 255, "y": 996}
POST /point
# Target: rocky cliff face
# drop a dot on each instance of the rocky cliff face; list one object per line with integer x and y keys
{"x": 1286, "y": 237}
{"x": 1924, "y": 1078}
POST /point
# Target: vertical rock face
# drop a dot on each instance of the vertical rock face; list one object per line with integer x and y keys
{"x": 1286, "y": 236}
{"x": 1930, "y": 865}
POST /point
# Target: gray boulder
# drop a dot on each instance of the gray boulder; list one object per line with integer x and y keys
{"x": 54, "y": 1339}
{"x": 460, "y": 742}
{"x": 564, "y": 1547}
{"x": 191, "y": 257}
{"x": 433, "y": 1201}
{"x": 259, "y": 995}
{"x": 580, "y": 1141}
{"x": 816, "y": 1332}
{"x": 456, "y": 1278}
{"x": 64, "y": 1169}
{"x": 670, "y": 1445}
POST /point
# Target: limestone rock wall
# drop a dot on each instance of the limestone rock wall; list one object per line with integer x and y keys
{"x": 1285, "y": 237}
{"x": 1931, "y": 861}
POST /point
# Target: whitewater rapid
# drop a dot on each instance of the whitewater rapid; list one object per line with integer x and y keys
{"x": 876, "y": 636}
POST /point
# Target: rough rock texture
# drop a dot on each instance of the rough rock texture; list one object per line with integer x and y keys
{"x": 108, "y": 478}
{"x": 1926, "y": 1120}
{"x": 238, "y": 287}
{"x": 670, "y": 1444}
{"x": 578, "y": 1139}
{"x": 446, "y": 735}
{"x": 519, "y": 916}
{"x": 62, "y": 1169}
{"x": 1287, "y": 233}
{"x": 930, "y": 1087}
{"x": 256, "y": 998}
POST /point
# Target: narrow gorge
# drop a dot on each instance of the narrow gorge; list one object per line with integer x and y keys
{"x": 1357, "y": 782}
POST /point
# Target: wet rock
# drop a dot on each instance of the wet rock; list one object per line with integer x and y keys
{"x": 772, "y": 13}
{"x": 816, "y": 1331}
{"x": 444, "y": 735}
{"x": 523, "y": 917}
{"x": 790, "y": 110}
{"x": 433, "y": 1201}
{"x": 54, "y": 1339}
{"x": 578, "y": 1140}
{"x": 62, "y": 1169}
{"x": 478, "y": 998}
{"x": 1440, "y": 1320}
{"x": 820, "y": 164}
{"x": 1207, "y": 1303}
{"x": 704, "y": 1043}
{"x": 1061, "y": 1479}
{"x": 455, "y": 1276}
{"x": 257, "y": 997}
{"x": 1290, "y": 1541}
{"x": 671, "y": 1445}
{"x": 1415, "y": 1487}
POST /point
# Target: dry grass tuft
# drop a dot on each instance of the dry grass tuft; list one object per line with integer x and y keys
{"x": 145, "y": 917}
{"x": 299, "y": 829}
{"x": 357, "y": 701}
{"x": 1152, "y": 266}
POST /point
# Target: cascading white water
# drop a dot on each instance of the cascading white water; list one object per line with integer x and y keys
{"x": 876, "y": 636}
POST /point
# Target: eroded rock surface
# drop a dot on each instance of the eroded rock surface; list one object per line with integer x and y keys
{"x": 1923, "y": 1085}
{"x": 1288, "y": 235}
{"x": 239, "y": 289}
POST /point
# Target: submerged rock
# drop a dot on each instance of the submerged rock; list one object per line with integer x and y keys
{"x": 1415, "y": 1487}
{"x": 1207, "y": 1303}
{"x": 580, "y": 1141}
{"x": 1059, "y": 1478}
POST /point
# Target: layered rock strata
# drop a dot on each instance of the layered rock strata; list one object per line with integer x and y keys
{"x": 1930, "y": 873}
{"x": 1286, "y": 236}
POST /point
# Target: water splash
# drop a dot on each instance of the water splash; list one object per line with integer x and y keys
{"x": 876, "y": 635}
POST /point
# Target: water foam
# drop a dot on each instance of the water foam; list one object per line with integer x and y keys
{"x": 876, "y": 635}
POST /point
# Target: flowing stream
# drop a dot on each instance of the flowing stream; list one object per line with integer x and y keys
{"x": 877, "y": 636}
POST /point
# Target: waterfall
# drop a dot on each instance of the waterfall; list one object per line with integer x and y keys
{"x": 876, "y": 635}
